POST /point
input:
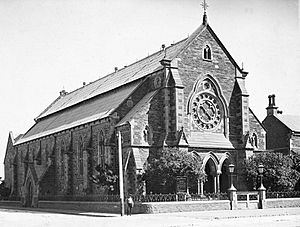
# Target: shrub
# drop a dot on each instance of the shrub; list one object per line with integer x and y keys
{"x": 279, "y": 171}
{"x": 161, "y": 171}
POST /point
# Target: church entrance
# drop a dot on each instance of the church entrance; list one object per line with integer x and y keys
{"x": 29, "y": 195}
{"x": 211, "y": 172}
{"x": 224, "y": 177}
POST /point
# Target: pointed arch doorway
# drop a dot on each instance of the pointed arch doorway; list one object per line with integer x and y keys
{"x": 224, "y": 176}
{"x": 29, "y": 195}
{"x": 210, "y": 185}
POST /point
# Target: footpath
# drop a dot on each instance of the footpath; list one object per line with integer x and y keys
{"x": 205, "y": 215}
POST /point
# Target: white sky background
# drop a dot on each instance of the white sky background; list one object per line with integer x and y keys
{"x": 49, "y": 45}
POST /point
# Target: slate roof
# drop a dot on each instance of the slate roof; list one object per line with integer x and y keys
{"x": 209, "y": 140}
{"x": 140, "y": 105}
{"x": 291, "y": 121}
{"x": 88, "y": 111}
{"x": 123, "y": 76}
{"x": 97, "y": 99}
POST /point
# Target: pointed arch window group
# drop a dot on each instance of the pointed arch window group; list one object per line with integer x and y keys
{"x": 207, "y": 52}
{"x": 101, "y": 149}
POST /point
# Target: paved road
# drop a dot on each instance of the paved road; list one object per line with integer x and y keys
{"x": 270, "y": 217}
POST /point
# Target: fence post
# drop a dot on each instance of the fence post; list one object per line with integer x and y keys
{"x": 232, "y": 198}
{"x": 261, "y": 198}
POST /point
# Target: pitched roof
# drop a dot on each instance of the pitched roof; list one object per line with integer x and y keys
{"x": 112, "y": 81}
{"x": 99, "y": 98}
{"x": 88, "y": 111}
{"x": 290, "y": 121}
{"x": 139, "y": 106}
{"x": 128, "y": 74}
{"x": 209, "y": 140}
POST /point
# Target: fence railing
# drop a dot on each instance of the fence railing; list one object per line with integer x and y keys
{"x": 247, "y": 195}
{"x": 11, "y": 198}
{"x": 241, "y": 196}
{"x": 209, "y": 196}
{"x": 89, "y": 198}
{"x": 137, "y": 198}
{"x": 287, "y": 194}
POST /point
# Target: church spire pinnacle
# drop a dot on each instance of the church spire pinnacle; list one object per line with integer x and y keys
{"x": 204, "y": 6}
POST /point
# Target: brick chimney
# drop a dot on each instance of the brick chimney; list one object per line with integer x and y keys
{"x": 272, "y": 108}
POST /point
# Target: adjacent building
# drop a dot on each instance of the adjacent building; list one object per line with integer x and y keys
{"x": 283, "y": 131}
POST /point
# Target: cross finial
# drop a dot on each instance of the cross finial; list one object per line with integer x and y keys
{"x": 204, "y": 5}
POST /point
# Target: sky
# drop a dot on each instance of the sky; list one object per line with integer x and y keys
{"x": 50, "y": 45}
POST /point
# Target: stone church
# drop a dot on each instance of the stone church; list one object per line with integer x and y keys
{"x": 190, "y": 95}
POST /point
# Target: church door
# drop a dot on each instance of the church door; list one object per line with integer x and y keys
{"x": 224, "y": 177}
{"x": 29, "y": 195}
{"x": 210, "y": 170}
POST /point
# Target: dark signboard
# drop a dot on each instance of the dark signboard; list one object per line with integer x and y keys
{"x": 181, "y": 184}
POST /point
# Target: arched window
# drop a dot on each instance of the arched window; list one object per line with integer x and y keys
{"x": 207, "y": 53}
{"x": 80, "y": 148}
{"x": 46, "y": 153}
{"x": 254, "y": 140}
{"x": 62, "y": 152}
{"x": 101, "y": 149}
{"x": 32, "y": 155}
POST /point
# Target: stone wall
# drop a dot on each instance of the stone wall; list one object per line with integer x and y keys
{"x": 58, "y": 159}
{"x": 257, "y": 129}
{"x": 192, "y": 65}
{"x": 156, "y": 207}
{"x": 295, "y": 143}
{"x": 284, "y": 202}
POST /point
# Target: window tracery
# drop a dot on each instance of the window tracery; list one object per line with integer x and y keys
{"x": 207, "y": 53}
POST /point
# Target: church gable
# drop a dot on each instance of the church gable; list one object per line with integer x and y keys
{"x": 195, "y": 62}
{"x": 9, "y": 160}
{"x": 9, "y": 149}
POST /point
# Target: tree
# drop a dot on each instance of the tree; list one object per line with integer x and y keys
{"x": 4, "y": 191}
{"x": 279, "y": 172}
{"x": 106, "y": 177}
{"x": 296, "y": 166}
{"x": 161, "y": 171}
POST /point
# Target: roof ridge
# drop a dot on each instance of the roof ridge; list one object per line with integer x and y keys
{"x": 101, "y": 81}
{"x": 127, "y": 66}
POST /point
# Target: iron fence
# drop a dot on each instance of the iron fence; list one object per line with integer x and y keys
{"x": 158, "y": 198}
{"x": 168, "y": 197}
{"x": 137, "y": 198}
{"x": 89, "y": 198}
{"x": 11, "y": 198}
{"x": 247, "y": 195}
{"x": 180, "y": 197}
{"x": 211, "y": 196}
